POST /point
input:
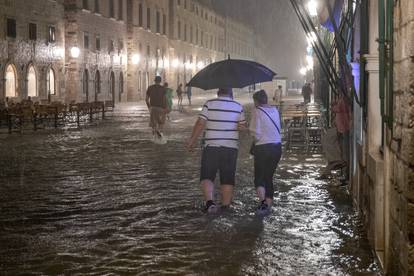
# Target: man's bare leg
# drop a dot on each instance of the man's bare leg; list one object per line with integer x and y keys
{"x": 208, "y": 189}
{"x": 261, "y": 192}
{"x": 226, "y": 194}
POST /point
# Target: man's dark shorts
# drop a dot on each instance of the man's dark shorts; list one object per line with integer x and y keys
{"x": 221, "y": 159}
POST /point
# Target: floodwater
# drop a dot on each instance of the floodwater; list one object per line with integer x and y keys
{"x": 105, "y": 200}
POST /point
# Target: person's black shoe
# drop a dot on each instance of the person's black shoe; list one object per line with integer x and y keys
{"x": 263, "y": 209}
{"x": 211, "y": 207}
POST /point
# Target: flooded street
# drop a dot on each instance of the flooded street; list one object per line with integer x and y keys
{"x": 106, "y": 200}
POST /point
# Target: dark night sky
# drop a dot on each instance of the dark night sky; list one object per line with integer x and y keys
{"x": 276, "y": 21}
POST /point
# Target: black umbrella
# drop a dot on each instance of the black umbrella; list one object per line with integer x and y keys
{"x": 231, "y": 73}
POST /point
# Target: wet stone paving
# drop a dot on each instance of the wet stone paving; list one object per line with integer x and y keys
{"x": 104, "y": 199}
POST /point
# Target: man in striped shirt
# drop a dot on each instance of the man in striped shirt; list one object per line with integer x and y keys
{"x": 221, "y": 118}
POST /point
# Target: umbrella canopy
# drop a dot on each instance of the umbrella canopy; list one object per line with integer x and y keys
{"x": 231, "y": 73}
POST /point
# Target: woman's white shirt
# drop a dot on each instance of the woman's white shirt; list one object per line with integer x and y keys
{"x": 262, "y": 128}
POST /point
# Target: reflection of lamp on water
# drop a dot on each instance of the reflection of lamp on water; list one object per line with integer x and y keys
{"x": 136, "y": 58}
{"x": 74, "y": 52}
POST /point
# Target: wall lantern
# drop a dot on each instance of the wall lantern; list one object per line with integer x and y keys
{"x": 74, "y": 52}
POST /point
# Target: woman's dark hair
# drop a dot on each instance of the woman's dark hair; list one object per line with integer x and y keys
{"x": 260, "y": 97}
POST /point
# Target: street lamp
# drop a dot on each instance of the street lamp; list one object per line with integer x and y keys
{"x": 74, "y": 52}
{"x": 136, "y": 58}
{"x": 303, "y": 71}
{"x": 200, "y": 65}
{"x": 313, "y": 7}
{"x": 175, "y": 63}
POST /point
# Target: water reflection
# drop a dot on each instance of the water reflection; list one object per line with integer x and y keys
{"x": 105, "y": 199}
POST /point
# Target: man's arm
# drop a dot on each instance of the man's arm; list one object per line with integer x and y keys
{"x": 147, "y": 98}
{"x": 197, "y": 130}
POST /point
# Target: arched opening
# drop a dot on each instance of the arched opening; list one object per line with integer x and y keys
{"x": 86, "y": 84}
{"x": 31, "y": 82}
{"x": 10, "y": 77}
{"x": 97, "y": 85}
{"x": 121, "y": 85}
{"x": 50, "y": 83}
{"x": 112, "y": 86}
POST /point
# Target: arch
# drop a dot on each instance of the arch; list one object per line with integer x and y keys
{"x": 121, "y": 85}
{"x": 112, "y": 86}
{"x": 31, "y": 81}
{"x": 86, "y": 84}
{"x": 10, "y": 77}
{"x": 50, "y": 82}
{"x": 97, "y": 84}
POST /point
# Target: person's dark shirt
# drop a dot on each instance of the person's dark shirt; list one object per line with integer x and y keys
{"x": 156, "y": 96}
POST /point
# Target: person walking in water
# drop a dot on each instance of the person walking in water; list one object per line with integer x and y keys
{"x": 277, "y": 96}
{"x": 267, "y": 150}
{"x": 189, "y": 94}
{"x": 221, "y": 118}
{"x": 169, "y": 96}
{"x": 306, "y": 92}
{"x": 180, "y": 95}
{"x": 157, "y": 104}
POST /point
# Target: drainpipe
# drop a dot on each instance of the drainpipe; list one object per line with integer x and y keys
{"x": 390, "y": 71}
{"x": 382, "y": 60}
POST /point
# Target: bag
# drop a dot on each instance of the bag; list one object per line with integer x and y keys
{"x": 252, "y": 150}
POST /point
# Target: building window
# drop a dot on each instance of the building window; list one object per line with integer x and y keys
{"x": 98, "y": 43}
{"x": 50, "y": 82}
{"x": 32, "y": 31}
{"x": 86, "y": 82}
{"x": 86, "y": 40}
{"x": 164, "y": 24}
{"x": 148, "y": 18}
{"x": 178, "y": 2}
{"x": 191, "y": 34}
{"x": 179, "y": 29}
{"x": 185, "y": 32}
{"x": 196, "y": 41}
{"x": 51, "y": 34}
{"x": 185, "y": 4}
{"x": 111, "y": 46}
{"x": 97, "y": 8}
{"x": 31, "y": 82}
{"x": 202, "y": 38}
{"x": 121, "y": 83}
{"x": 11, "y": 27}
{"x": 158, "y": 21}
{"x": 111, "y": 9}
{"x": 120, "y": 46}
{"x": 97, "y": 84}
{"x": 120, "y": 9}
{"x": 85, "y": 4}
{"x": 11, "y": 81}
{"x": 140, "y": 14}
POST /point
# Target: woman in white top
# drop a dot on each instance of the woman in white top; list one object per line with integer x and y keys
{"x": 265, "y": 128}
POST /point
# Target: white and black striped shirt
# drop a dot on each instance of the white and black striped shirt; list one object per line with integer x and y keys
{"x": 223, "y": 116}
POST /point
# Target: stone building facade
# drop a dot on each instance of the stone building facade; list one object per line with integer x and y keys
{"x": 97, "y": 30}
{"x": 32, "y": 42}
{"x": 383, "y": 140}
{"x": 400, "y": 161}
{"x": 111, "y": 49}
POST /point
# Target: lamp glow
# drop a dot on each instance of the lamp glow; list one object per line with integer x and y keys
{"x": 313, "y": 7}
{"x": 74, "y": 52}
{"x": 175, "y": 63}
{"x": 136, "y": 58}
{"x": 200, "y": 65}
{"x": 303, "y": 71}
